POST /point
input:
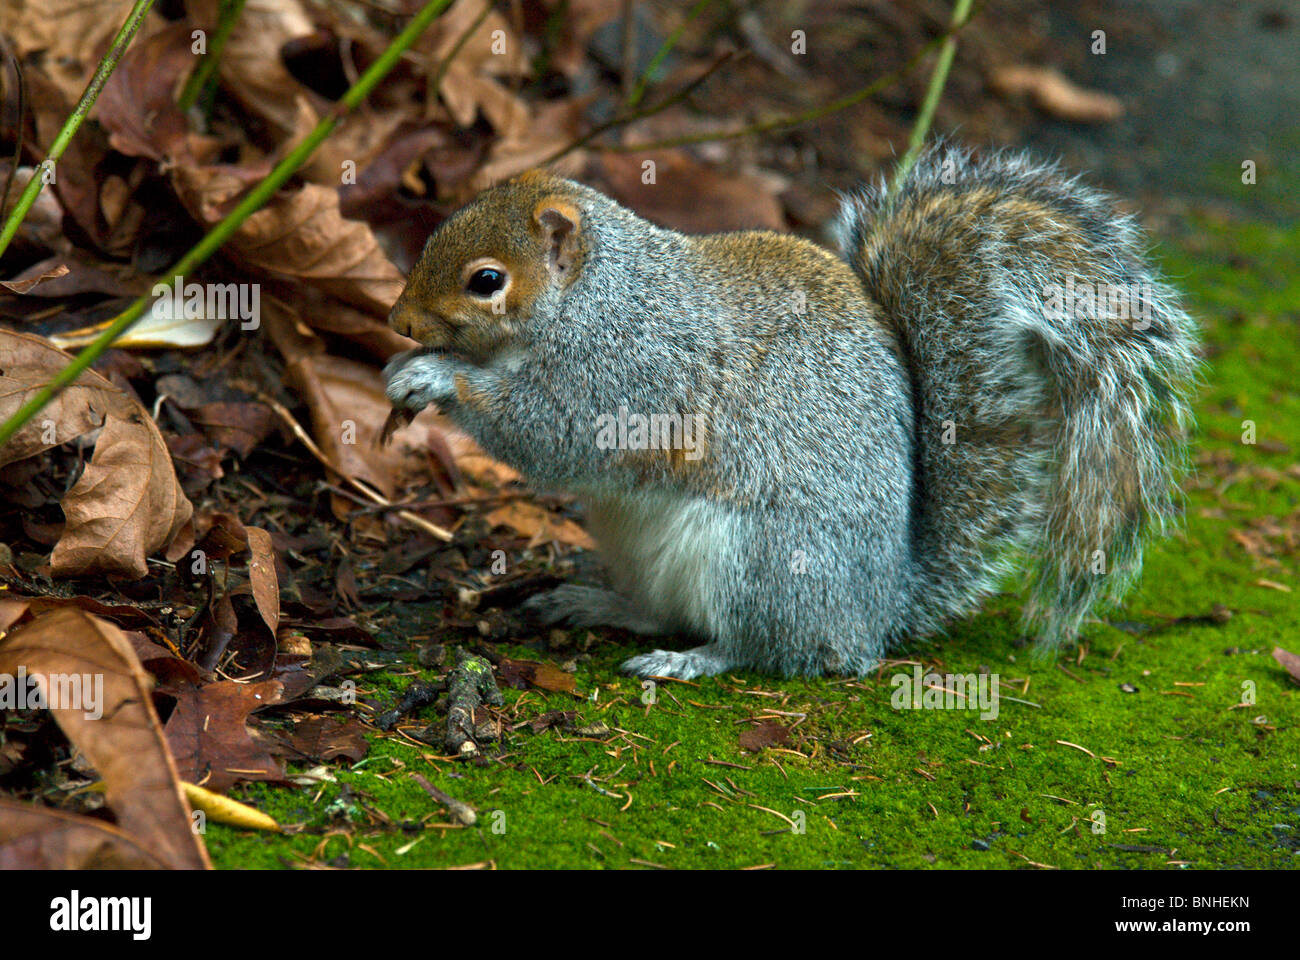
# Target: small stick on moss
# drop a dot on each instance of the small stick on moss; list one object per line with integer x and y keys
{"x": 417, "y": 695}
{"x": 470, "y": 684}
{"x": 460, "y": 811}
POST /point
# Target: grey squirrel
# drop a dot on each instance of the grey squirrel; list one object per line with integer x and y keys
{"x": 988, "y": 375}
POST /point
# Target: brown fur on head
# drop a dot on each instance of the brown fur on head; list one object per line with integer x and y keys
{"x": 529, "y": 231}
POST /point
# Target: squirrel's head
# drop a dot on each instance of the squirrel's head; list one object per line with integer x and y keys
{"x": 490, "y": 265}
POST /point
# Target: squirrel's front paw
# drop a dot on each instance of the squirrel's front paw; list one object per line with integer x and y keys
{"x": 418, "y": 378}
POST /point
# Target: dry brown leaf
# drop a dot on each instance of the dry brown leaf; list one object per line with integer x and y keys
{"x": 689, "y": 196}
{"x": 235, "y": 426}
{"x": 251, "y": 67}
{"x": 138, "y": 103}
{"x": 262, "y": 576}
{"x": 348, "y": 409}
{"x": 530, "y": 673}
{"x": 554, "y": 126}
{"x": 209, "y": 736}
{"x": 11, "y": 611}
{"x": 27, "y": 363}
{"x": 1054, "y": 93}
{"x": 127, "y": 503}
{"x": 378, "y": 339}
{"x": 74, "y": 272}
{"x": 298, "y": 234}
{"x": 328, "y": 738}
{"x": 125, "y": 744}
{"x": 74, "y": 35}
{"x": 492, "y": 50}
{"x": 26, "y": 284}
{"x": 769, "y": 733}
{"x": 43, "y": 225}
{"x": 1289, "y": 661}
{"x": 40, "y": 838}
{"x": 359, "y": 138}
{"x": 539, "y": 525}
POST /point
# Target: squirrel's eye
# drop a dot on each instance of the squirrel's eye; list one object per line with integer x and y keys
{"x": 486, "y": 282}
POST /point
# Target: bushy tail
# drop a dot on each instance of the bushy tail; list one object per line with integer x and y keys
{"x": 1051, "y": 370}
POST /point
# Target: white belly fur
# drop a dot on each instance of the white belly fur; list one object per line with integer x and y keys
{"x": 665, "y": 551}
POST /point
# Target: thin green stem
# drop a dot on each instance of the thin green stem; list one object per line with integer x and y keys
{"x": 960, "y": 16}
{"x": 643, "y": 81}
{"x": 70, "y": 126}
{"x": 194, "y": 86}
{"x": 251, "y": 202}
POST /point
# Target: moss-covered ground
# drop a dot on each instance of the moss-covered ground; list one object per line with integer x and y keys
{"x": 1168, "y": 739}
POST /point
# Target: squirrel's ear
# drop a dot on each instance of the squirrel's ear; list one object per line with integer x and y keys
{"x": 560, "y": 225}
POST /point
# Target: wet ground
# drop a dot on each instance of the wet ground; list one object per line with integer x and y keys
{"x": 1206, "y": 86}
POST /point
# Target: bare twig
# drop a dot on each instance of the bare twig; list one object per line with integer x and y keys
{"x": 305, "y": 439}
{"x": 626, "y": 117}
{"x": 769, "y": 125}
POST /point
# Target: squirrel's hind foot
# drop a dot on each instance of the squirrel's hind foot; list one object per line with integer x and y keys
{"x": 702, "y": 661}
{"x": 578, "y": 606}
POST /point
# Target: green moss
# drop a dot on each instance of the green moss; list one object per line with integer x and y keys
{"x": 1179, "y": 770}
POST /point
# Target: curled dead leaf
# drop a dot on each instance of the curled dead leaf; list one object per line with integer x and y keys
{"x": 127, "y": 503}
{"x": 113, "y": 724}
{"x": 138, "y": 103}
{"x": 1053, "y": 92}
{"x": 299, "y": 233}
{"x": 26, "y": 284}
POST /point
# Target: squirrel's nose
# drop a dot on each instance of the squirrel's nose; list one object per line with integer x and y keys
{"x": 399, "y": 318}
{"x": 412, "y": 320}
